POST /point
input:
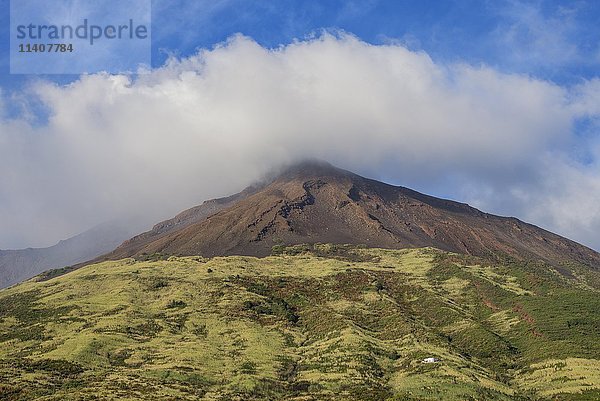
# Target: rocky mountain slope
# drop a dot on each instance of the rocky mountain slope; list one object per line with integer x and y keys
{"x": 317, "y": 203}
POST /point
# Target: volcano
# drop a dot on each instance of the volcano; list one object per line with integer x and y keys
{"x": 336, "y": 312}
{"x": 315, "y": 202}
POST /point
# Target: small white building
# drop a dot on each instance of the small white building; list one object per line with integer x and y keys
{"x": 430, "y": 360}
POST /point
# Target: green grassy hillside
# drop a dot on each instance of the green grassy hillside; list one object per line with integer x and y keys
{"x": 310, "y": 323}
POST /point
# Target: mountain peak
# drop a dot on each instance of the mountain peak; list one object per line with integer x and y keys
{"x": 311, "y": 168}
{"x": 315, "y": 202}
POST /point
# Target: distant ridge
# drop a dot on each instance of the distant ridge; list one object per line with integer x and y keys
{"x": 315, "y": 202}
{"x": 21, "y": 264}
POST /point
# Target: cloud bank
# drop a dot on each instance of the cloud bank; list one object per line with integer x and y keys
{"x": 208, "y": 125}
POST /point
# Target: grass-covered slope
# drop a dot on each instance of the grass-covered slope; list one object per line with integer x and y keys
{"x": 312, "y": 323}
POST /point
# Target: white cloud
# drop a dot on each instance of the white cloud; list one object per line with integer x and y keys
{"x": 537, "y": 38}
{"x": 208, "y": 125}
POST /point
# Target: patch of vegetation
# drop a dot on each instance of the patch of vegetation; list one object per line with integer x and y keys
{"x": 154, "y": 257}
{"x": 147, "y": 329}
{"x": 176, "y": 304}
{"x": 51, "y": 366}
{"x": 248, "y": 368}
{"x": 50, "y": 274}
{"x": 344, "y": 252}
{"x": 157, "y": 283}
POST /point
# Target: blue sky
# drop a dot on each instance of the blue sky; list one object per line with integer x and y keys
{"x": 554, "y": 40}
{"x": 550, "y": 39}
{"x": 496, "y": 103}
